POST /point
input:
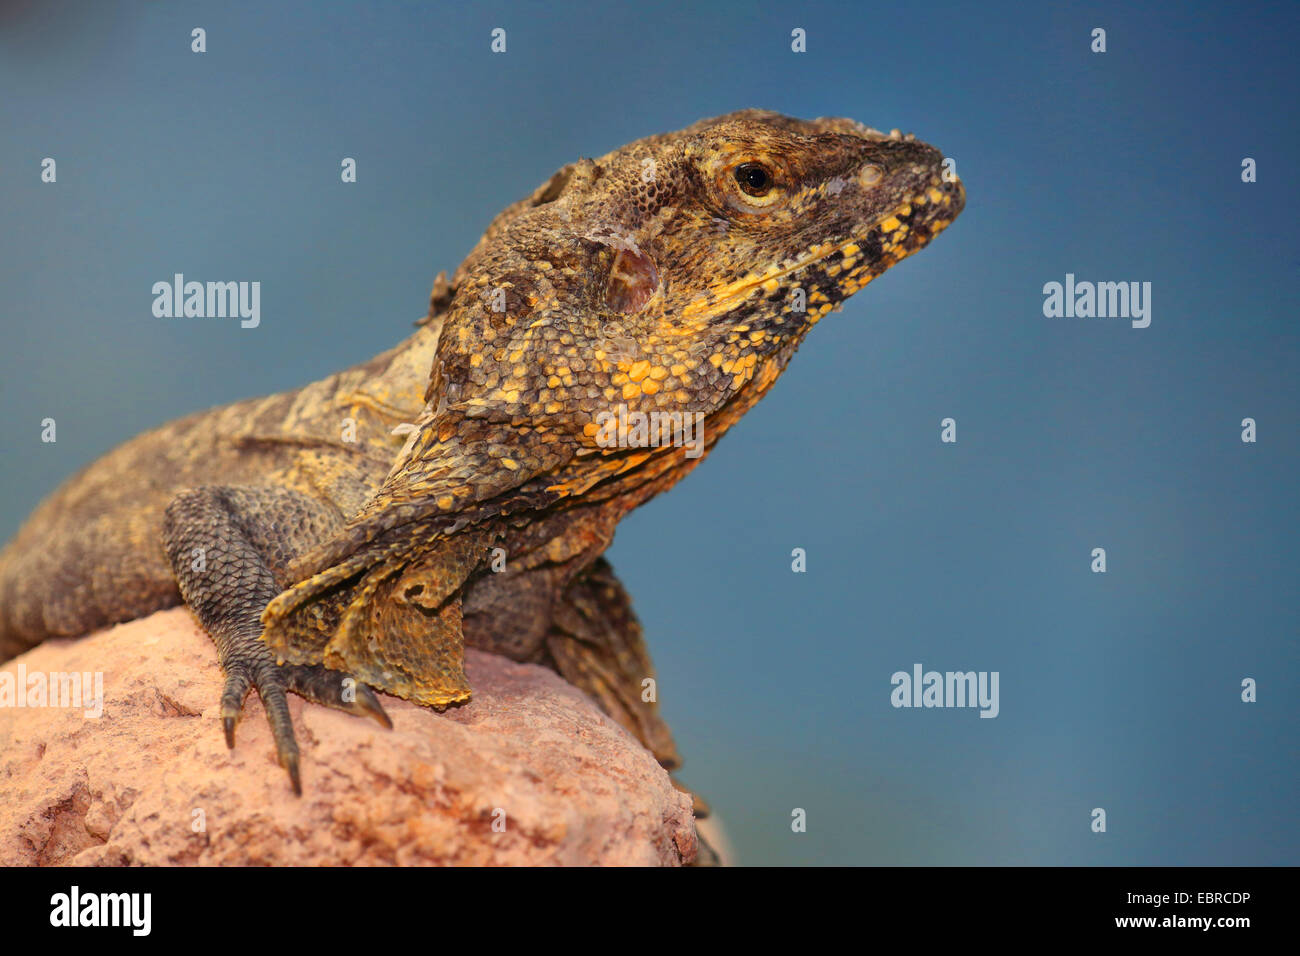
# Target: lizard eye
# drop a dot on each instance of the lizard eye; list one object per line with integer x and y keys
{"x": 754, "y": 179}
{"x": 752, "y": 185}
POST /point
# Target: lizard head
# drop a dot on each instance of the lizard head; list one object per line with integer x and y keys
{"x": 722, "y": 243}
{"x": 763, "y": 220}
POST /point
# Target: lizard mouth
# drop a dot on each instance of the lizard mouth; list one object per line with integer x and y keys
{"x": 906, "y": 228}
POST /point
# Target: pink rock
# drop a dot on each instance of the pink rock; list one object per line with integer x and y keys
{"x": 529, "y": 772}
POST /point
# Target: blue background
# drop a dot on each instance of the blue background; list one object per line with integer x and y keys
{"x": 1119, "y": 690}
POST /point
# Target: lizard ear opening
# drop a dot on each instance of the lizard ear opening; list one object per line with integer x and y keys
{"x": 633, "y": 280}
{"x": 551, "y": 189}
{"x": 585, "y": 171}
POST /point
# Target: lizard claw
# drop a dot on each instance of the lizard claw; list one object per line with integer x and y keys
{"x": 368, "y": 704}
{"x": 290, "y": 763}
{"x": 232, "y": 702}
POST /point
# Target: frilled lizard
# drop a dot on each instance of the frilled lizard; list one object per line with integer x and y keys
{"x": 460, "y": 488}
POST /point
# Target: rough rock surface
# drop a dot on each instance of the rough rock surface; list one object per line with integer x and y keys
{"x": 151, "y": 781}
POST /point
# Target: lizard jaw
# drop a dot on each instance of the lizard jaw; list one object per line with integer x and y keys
{"x": 897, "y": 243}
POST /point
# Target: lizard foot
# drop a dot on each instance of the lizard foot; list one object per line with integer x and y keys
{"x": 272, "y": 686}
{"x": 316, "y": 684}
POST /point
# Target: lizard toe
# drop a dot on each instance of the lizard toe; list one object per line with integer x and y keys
{"x": 335, "y": 689}
{"x": 272, "y": 687}
{"x": 233, "y": 695}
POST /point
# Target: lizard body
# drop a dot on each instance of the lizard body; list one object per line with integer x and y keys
{"x": 348, "y": 535}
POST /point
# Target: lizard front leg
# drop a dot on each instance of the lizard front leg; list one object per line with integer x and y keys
{"x": 229, "y": 548}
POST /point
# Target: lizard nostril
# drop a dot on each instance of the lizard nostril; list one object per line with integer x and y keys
{"x": 870, "y": 174}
